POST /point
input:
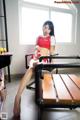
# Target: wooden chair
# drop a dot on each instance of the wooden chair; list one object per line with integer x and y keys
{"x": 27, "y": 58}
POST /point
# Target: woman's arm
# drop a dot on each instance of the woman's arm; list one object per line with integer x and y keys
{"x": 52, "y": 51}
{"x": 52, "y": 48}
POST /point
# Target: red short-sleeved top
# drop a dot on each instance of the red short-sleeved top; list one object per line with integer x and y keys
{"x": 43, "y": 42}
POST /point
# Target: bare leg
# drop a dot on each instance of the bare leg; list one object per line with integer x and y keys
{"x": 22, "y": 86}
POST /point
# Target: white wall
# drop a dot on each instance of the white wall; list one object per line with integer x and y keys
{"x": 18, "y": 59}
{"x": 19, "y": 51}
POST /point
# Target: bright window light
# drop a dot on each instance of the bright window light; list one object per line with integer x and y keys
{"x": 63, "y": 26}
{"x": 32, "y": 15}
{"x": 31, "y": 24}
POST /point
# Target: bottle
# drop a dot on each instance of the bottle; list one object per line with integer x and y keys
{"x": 4, "y": 50}
{"x": 1, "y": 50}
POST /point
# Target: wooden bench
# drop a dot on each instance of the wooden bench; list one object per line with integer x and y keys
{"x": 56, "y": 90}
{"x": 61, "y": 89}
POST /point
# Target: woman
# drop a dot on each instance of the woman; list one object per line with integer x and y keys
{"x": 45, "y": 45}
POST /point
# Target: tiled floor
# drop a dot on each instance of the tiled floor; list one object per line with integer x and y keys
{"x": 29, "y": 109}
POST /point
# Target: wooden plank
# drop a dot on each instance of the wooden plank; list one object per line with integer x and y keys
{"x": 48, "y": 88}
{"x": 75, "y": 92}
{"x": 75, "y": 79}
{"x": 62, "y": 92}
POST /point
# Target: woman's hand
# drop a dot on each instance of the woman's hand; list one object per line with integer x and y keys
{"x": 37, "y": 47}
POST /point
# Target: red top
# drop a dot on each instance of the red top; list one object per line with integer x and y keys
{"x": 43, "y": 42}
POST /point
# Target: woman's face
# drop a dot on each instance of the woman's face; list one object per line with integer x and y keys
{"x": 46, "y": 30}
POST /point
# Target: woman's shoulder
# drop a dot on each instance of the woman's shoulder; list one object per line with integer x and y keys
{"x": 40, "y": 37}
{"x": 52, "y": 37}
{"x": 43, "y": 37}
{"x": 47, "y": 37}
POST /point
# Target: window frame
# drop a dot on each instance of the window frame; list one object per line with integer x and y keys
{"x": 74, "y": 23}
{"x": 71, "y": 11}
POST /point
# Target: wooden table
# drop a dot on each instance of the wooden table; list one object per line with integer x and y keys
{"x": 56, "y": 90}
{"x": 61, "y": 89}
{"x": 5, "y": 59}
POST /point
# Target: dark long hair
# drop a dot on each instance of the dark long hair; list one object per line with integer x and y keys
{"x": 51, "y": 27}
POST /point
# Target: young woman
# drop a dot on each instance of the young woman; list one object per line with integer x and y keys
{"x": 45, "y": 45}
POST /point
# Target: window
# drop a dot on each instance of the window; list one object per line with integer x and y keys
{"x": 32, "y": 20}
{"x": 33, "y": 15}
{"x": 63, "y": 26}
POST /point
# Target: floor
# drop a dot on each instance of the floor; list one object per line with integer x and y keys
{"x": 29, "y": 109}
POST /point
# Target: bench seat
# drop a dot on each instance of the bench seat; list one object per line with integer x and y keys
{"x": 63, "y": 89}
